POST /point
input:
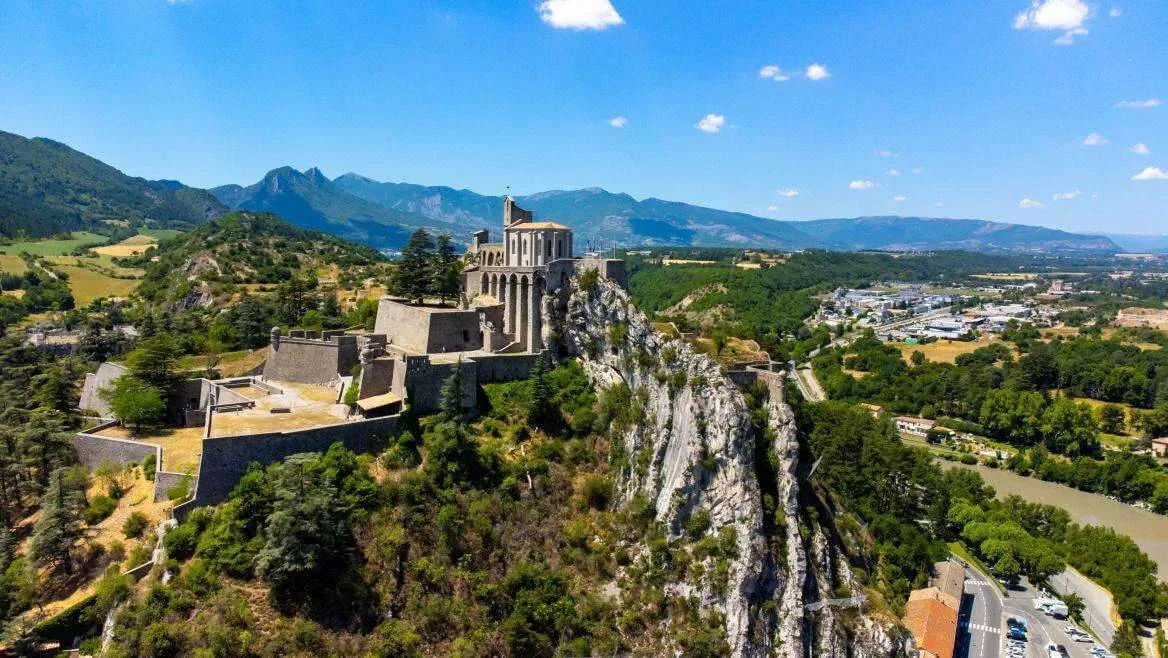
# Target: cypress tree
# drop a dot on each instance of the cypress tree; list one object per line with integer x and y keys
{"x": 59, "y": 527}
{"x": 451, "y": 402}
{"x": 446, "y": 270}
{"x": 413, "y": 278}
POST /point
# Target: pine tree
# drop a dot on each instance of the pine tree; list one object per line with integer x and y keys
{"x": 445, "y": 270}
{"x": 451, "y": 403}
{"x": 413, "y": 277}
{"x": 59, "y": 528}
{"x": 155, "y": 362}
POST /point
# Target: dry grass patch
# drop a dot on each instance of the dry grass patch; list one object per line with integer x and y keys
{"x": 944, "y": 351}
{"x": 88, "y": 285}
{"x": 132, "y": 246}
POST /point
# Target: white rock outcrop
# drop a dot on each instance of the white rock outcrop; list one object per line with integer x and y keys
{"x": 697, "y": 438}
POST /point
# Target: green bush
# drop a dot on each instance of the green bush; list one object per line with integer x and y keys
{"x": 180, "y": 491}
{"x": 99, "y": 508}
{"x": 597, "y": 491}
{"x": 135, "y": 525}
{"x": 149, "y": 466}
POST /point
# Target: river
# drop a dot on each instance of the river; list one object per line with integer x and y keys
{"x": 1148, "y": 529}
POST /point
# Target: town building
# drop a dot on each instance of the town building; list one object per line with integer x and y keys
{"x": 931, "y": 613}
{"x": 914, "y": 426}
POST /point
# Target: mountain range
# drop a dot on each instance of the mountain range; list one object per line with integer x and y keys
{"x": 47, "y": 187}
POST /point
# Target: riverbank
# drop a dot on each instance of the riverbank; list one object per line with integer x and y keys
{"x": 1147, "y": 529}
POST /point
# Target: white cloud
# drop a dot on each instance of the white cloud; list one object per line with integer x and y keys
{"x": 1140, "y": 149}
{"x": 1094, "y": 139}
{"x": 772, "y": 208}
{"x": 1029, "y": 203}
{"x": 861, "y": 184}
{"x": 1053, "y": 15}
{"x": 817, "y": 72}
{"x": 711, "y": 123}
{"x": 772, "y": 72}
{"x": 1066, "y": 15}
{"x": 1115, "y": 12}
{"x": 939, "y": 204}
{"x": 579, "y": 14}
{"x": 789, "y": 193}
{"x": 893, "y": 172}
{"x": 1066, "y": 196}
{"x": 1151, "y": 173}
{"x": 1146, "y": 104}
{"x": 884, "y": 153}
{"x": 900, "y": 197}
{"x": 618, "y": 122}
{"x": 918, "y": 170}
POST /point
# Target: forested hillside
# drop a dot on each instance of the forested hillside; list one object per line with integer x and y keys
{"x": 245, "y": 248}
{"x": 47, "y": 188}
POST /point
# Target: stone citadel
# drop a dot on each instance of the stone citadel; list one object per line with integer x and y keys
{"x": 294, "y": 401}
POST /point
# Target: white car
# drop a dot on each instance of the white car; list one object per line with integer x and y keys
{"x": 1052, "y": 651}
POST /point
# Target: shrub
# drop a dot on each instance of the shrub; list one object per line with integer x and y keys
{"x": 99, "y": 508}
{"x": 589, "y": 279}
{"x": 149, "y": 466}
{"x": 139, "y": 556}
{"x": 596, "y": 491}
{"x": 135, "y": 525}
{"x": 180, "y": 491}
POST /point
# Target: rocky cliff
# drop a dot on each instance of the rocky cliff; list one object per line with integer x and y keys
{"x": 694, "y": 451}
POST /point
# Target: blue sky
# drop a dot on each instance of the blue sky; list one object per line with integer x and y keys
{"x": 975, "y": 95}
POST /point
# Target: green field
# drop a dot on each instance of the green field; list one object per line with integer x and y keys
{"x": 54, "y": 247}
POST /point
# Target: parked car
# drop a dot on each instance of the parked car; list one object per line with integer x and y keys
{"x": 1052, "y": 651}
{"x": 1015, "y": 622}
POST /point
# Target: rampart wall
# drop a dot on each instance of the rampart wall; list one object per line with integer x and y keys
{"x": 225, "y": 459}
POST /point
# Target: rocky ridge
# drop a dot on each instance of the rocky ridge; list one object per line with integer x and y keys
{"x": 696, "y": 436}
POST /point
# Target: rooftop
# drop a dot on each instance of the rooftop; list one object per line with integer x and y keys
{"x": 931, "y": 615}
{"x": 538, "y": 226}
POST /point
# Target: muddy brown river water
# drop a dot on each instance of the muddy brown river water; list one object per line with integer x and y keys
{"x": 1148, "y": 529}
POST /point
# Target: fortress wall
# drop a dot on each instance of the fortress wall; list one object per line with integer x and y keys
{"x": 402, "y": 324}
{"x": 377, "y": 377}
{"x": 424, "y": 381}
{"x": 428, "y": 330}
{"x": 164, "y": 480}
{"x": 94, "y": 382}
{"x": 305, "y": 361}
{"x": 225, "y": 459}
{"x": 454, "y": 331}
{"x": 505, "y": 367}
{"x": 93, "y": 450}
{"x": 609, "y": 268}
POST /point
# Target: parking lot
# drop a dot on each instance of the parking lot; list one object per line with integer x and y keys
{"x": 984, "y": 631}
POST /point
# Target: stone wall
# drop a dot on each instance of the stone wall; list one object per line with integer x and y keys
{"x": 428, "y": 330}
{"x": 505, "y": 367}
{"x": 308, "y": 361}
{"x": 94, "y": 382}
{"x": 225, "y": 459}
{"x": 164, "y": 480}
{"x": 424, "y": 380}
{"x": 377, "y": 376}
{"x": 93, "y": 450}
{"x": 609, "y": 268}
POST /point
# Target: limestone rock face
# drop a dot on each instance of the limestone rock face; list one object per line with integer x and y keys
{"x": 697, "y": 438}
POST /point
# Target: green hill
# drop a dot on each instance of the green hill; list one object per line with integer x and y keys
{"x": 47, "y": 188}
{"x": 196, "y": 268}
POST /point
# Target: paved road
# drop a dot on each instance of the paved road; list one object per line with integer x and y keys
{"x": 983, "y": 617}
{"x": 980, "y": 623}
{"x": 1096, "y": 601}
